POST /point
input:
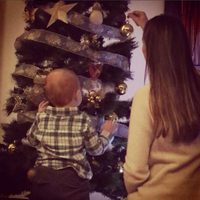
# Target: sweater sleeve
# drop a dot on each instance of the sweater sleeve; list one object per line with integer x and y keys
{"x": 31, "y": 138}
{"x": 140, "y": 137}
{"x": 95, "y": 143}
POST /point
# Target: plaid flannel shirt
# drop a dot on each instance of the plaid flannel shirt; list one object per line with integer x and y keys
{"x": 62, "y": 137}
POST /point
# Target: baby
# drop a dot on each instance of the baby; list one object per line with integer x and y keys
{"x": 62, "y": 135}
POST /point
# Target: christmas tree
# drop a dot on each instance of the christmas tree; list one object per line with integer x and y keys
{"x": 92, "y": 38}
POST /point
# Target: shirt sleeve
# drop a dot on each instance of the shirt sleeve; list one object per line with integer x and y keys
{"x": 95, "y": 143}
{"x": 140, "y": 137}
{"x": 31, "y": 138}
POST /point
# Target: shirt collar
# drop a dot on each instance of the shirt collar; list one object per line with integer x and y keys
{"x": 61, "y": 110}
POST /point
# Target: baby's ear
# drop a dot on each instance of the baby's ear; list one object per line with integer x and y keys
{"x": 78, "y": 97}
{"x": 75, "y": 94}
{"x": 78, "y": 92}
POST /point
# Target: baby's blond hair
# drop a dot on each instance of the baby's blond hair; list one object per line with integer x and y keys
{"x": 61, "y": 86}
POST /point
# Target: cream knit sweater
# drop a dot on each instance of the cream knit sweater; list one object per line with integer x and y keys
{"x": 155, "y": 168}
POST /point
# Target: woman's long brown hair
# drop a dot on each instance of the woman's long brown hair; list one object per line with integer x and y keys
{"x": 175, "y": 84}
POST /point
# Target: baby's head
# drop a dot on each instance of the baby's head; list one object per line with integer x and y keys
{"x": 62, "y": 88}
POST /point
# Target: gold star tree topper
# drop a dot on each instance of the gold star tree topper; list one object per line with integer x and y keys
{"x": 59, "y": 12}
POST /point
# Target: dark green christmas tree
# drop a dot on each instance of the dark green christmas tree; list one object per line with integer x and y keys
{"x": 93, "y": 39}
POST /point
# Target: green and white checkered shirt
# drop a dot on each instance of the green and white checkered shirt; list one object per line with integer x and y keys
{"x": 62, "y": 137}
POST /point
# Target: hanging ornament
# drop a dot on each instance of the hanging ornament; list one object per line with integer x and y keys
{"x": 121, "y": 88}
{"x": 93, "y": 86}
{"x": 96, "y": 16}
{"x": 111, "y": 116}
{"x": 94, "y": 99}
{"x": 95, "y": 69}
{"x": 93, "y": 83}
{"x": 126, "y": 29}
{"x": 85, "y": 41}
{"x": 59, "y": 12}
{"x": 91, "y": 96}
{"x": 12, "y": 147}
{"x": 98, "y": 99}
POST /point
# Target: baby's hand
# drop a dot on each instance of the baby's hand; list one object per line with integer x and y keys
{"x": 42, "y": 106}
{"x": 109, "y": 126}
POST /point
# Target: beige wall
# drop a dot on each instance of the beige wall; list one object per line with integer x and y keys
{"x": 12, "y": 25}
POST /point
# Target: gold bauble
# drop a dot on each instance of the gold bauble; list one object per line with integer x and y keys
{"x": 126, "y": 29}
{"x": 98, "y": 98}
{"x": 91, "y": 96}
{"x": 93, "y": 99}
{"x": 11, "y": 148}
{"x": 97, "y": 101}
{"x": 121, "y": 88}
{"x": 112, "y": 116}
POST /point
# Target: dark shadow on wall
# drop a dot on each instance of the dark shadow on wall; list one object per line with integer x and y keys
{"x": 188, "y": 12}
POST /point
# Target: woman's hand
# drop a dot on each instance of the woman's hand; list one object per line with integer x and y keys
{"x": 139, "y": 17}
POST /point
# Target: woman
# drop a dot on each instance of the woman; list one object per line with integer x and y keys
{"x": 163, "y": 152}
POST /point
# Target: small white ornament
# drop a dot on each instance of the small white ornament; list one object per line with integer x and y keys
{"x": 96, "y": 16}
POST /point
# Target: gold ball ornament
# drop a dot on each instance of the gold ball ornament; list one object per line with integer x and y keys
{"x": 126, "y": 29}
{"x": 98, "y": 99}
{"x": 91, "y": 96}
{"x": 111, "y": 116}
{"x": 11, "y": 147}
{"x": 121, "y": 88}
